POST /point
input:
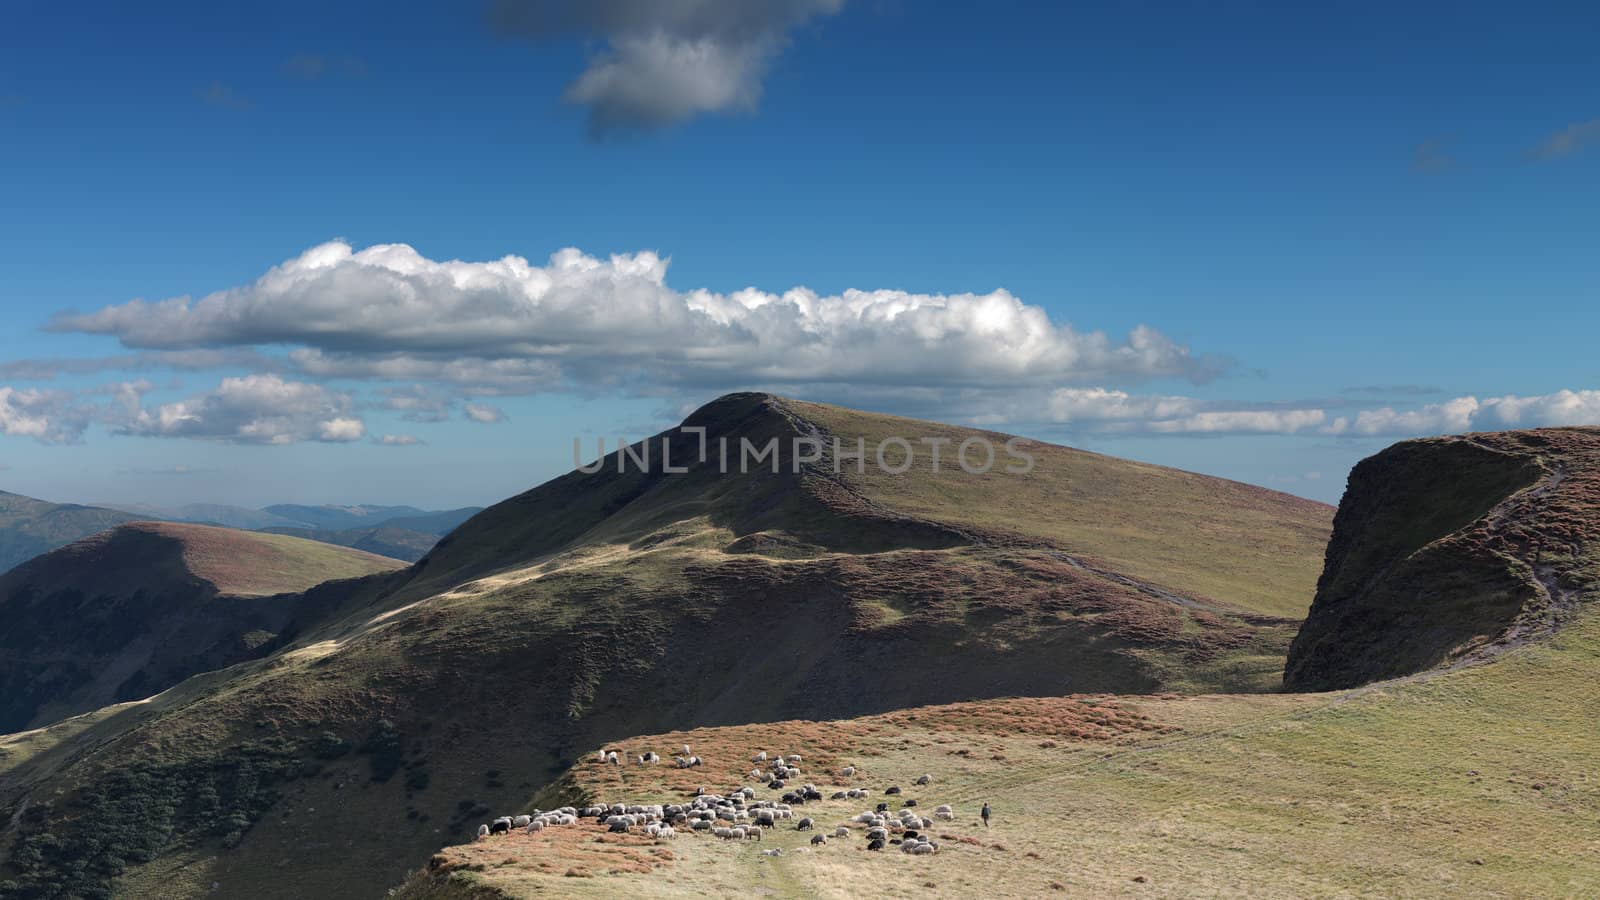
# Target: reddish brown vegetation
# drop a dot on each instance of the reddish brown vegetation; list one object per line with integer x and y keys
{"x": 826, "y": 747}
{"x": 576, "y": 851}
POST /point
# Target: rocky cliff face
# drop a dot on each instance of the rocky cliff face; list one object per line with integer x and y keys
{"x": 1450, "y": 549}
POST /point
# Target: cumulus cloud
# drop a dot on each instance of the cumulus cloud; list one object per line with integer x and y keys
{"x": 254, "y": 409}
{"x": 387, "y": 311}
{"x": 1564, "y": 407}
{"x": 1569, "y": 140}
{"x": 665, "y": 61}
{"x": 484, "y": 414}
{"x": 50, "y": 417}
{"x": 1099, "y": 409}
{"x": 418, "y": 403}
{"x": 1106, "y": 411}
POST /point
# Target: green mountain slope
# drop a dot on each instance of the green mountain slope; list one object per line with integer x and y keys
{"x": 29, "y": 527}
{"x": 1473, "y": 783}
{"x": 623, "y": 602}
{"x": 131, "y": 611}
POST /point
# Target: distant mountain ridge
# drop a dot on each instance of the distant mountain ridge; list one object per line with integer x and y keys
{"x": 335, "y": 518}
{"x": 399, "y": 532}
{"x": 131, "y": 611}
{"x": 29, "y": 527}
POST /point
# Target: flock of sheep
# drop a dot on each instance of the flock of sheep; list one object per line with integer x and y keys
{"x": 738, "y": 815}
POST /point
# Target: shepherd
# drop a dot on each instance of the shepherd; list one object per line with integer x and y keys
{"x": 985, "y": 814}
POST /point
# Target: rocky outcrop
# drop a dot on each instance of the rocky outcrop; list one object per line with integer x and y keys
{"x": 1452, "y": 549}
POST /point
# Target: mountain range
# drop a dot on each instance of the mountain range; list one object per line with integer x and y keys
{"x": 1101, "y": 646}
{"x": 29, "y": 527}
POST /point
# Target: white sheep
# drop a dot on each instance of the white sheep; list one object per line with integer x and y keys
{"x": 521, "y": 821}
{"x": 925, "y": 779}
{"x": 759, "y": 757}
{"x": 841, "y": 831}
{"x": 848, "y": 771}
{"x": 944, "y": 812}
{"x": 685, "y": 749}
{"x": 483, "y": 832}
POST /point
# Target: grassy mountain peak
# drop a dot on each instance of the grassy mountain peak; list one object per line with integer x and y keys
{"x": 630, "y": 599}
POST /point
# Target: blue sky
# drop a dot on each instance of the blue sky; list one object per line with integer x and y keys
{"x": 1355, "y": 215}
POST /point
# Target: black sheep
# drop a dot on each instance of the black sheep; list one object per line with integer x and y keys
{"x": 883, "y": 807}
{"x": 893, "y": 790}
{"x": 875, "y": 844}
{"x": 500, "y": 828}
{"x": 911, "y": 803}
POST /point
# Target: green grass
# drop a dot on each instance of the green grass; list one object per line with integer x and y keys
{"x": 1239, "y": 544}
{"x": 254, "y": 564}
{"x": 1475, "y": 783}
{"x": 594, "y": 608}
{"x": 29, "y": 527}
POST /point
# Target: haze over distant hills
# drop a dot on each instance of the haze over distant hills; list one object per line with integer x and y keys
{"x": 131, "y": 611}
{"x": 398, "y": 532}
{"x": 29, "y": 527}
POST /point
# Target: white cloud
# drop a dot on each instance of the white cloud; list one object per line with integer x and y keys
{"x": 484, "y": 414}
{"x": 1565, "y": 407}
{"x": 50, "y": 417}
{"x": 418, "y": 403}
{"x": 1106, "y": 411}
{"x": 397, "y": 440}
{"x": 1099, "y": 409}
{"x": 255, "y": 409}
{"x": 389, "y": 312}
{"x": 666, "y": 61}
{"x": 1434, "y": 418}
{"x": 1243, "y": 421}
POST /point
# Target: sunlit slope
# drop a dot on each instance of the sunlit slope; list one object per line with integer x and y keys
{"x": 1232, "y": 542}
{"x": 596, "y": 606}
{"x": 131, "y": 611}
{"x": 1473, "y": 783}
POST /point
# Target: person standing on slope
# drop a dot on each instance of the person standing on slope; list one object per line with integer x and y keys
{"x": 985, "y": 814}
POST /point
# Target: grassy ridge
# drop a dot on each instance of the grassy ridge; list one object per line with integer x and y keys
{"x": 254, "y": 564}
{"x": 1474, "y": 783}
{"x": 622, "y": 602}
{"x": 30, "y": 527}
{"x": 1235, "y": 543}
